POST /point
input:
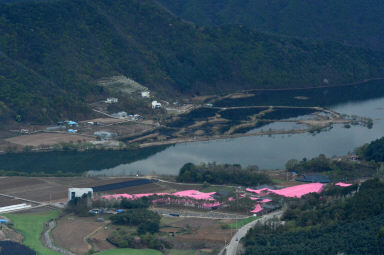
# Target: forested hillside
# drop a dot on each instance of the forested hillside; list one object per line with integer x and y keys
{"x": 353, "y": 22}
{"x": 52, "y": 52}
{"x": 330, "y": 223}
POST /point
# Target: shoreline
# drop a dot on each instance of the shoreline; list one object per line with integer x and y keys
{"x": 156, "y": 137}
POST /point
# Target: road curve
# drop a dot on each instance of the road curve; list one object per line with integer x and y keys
{"x": 231, "y": 248}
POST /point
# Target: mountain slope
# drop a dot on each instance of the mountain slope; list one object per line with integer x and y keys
{"x": 353, "y": 22}
{"x": 53, "y": 52}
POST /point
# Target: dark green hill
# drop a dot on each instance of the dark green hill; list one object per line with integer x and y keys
{"x": 353, "y": 22}
{"x": 53, "y": 52}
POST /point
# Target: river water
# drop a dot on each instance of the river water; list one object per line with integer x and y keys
{"x": 272, "y": 152}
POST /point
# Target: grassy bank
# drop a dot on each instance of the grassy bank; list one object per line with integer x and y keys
{"x": 31, "y": 227}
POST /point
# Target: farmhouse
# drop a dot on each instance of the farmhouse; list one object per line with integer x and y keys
{"x": 120, "y": 115}
{"x": 112, "y": 100}
{"x": 145, "y": 94}
{"x": 156, "y": 105}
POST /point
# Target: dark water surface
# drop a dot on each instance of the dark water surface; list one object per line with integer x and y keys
{"x": 12, "y": 248}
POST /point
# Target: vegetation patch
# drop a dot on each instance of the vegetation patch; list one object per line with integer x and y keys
{"x": 372, "y": 151}
{"x": 69, "y": 162}
{"x": 242, "y": 222}
{"x": 335, "y": 169}
{"x": 31, "y": 227}
{"x": 222, "y": 174}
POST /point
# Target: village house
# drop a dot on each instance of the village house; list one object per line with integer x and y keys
{"x": 156, "y": 105}
{"x": 145, "y": 94}
{"x": 120, "y": 115}
{"x": 112, "y": 100}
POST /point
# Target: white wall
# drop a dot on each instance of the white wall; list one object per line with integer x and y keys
{"x": 79, "y": 192}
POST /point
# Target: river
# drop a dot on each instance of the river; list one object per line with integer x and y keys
{"x": 272, "y": 152}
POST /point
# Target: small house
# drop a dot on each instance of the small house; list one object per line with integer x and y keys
{"x": 156, "y": 105}
{"x": 145, "y": 94}
{"x": 353, "y": 157}
{"x": 3, "y": 221}
{"x": 71, "y": 123}
{"x": 112, "y": 100}
{"x": 120, "y": 115}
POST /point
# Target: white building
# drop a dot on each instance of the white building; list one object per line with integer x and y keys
{"x": 120, "y": 115}
{"x": 79, "y": 192}
{"x": 145, "y": 94}
{"x": 14, "y": 208}
{"x": 112, "y": 100}
{"x": 156, "y": 105}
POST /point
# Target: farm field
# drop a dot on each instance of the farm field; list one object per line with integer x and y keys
{"x": 5, "y": 201}
{"x": 198, "y": 233}
{"x": 129, "y": 252}
{"x": 47, "y": 139}
{"x": 31, "y": 227}
{"x": 71, "y": 232}
{"x": 55, "y": 189}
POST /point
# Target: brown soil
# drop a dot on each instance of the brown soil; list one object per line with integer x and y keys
{"x": 47, "y": 139}
{"x": 71, "y": 232}
{"x": 9, "y": 234}
{"x": 5, "y": 201}
{"x": 206, "y": 233}
{"x": 45, "y": 189}
{"x": 99, "y": 240}
{"x": 237, "y": 96}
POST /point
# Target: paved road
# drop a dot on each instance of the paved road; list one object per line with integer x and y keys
{"x": 232, "y": 246}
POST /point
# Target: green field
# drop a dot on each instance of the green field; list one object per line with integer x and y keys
{"x": 187, "y": 252}
{"x": 128, "y": 251}
{"x": 31, "y": 227}
{"x": 242, "y": 222}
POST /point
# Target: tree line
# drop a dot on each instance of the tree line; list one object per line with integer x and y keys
{"x": 222, "y": 174}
